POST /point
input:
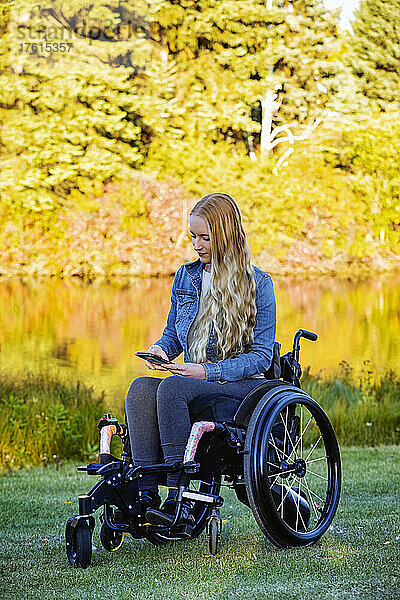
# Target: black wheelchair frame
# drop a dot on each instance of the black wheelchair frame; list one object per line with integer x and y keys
{"x": 278, "y": 452}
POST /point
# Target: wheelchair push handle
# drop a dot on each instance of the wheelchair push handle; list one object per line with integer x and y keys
{"x": 308, "y": 335}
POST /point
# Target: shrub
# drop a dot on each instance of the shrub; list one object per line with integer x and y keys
{"x": 43, "y": 416}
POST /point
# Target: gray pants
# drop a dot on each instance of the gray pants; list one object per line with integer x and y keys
{"x": 158, "y": 418}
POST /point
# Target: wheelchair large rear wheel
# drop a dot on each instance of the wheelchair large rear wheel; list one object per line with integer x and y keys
{"x": 292, "y": 468}
{"x": 200, "y": 512}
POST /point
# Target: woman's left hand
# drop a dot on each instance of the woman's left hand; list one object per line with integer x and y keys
{"x": 188, "y": 370}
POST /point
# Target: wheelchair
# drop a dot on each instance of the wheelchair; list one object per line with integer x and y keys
{"x": 277, "y": 450}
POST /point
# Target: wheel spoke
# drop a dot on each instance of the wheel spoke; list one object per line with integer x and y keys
{"x": 272, "y": 442}
{"x": 313, "y": 447}
{"x": 311, "y": 498}
{"x": 300, "y": 438}
{"x": 312, "y": 492}
{"x": 298, "y": 513}
{"x": 275, "y": 480}
{"x": 317, "y": 475}
{"x": 285, "y": 425}
{"x": 280, "y": 472}
{"x": 283, "y": 499}
{"x": 298, "y": 510}
{"x": 301, "y": 427}
{"x": 316, "y": 459}
{"x": 287, "y": 434}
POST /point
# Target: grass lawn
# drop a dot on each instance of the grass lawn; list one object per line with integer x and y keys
{"x": 359, "y": 558}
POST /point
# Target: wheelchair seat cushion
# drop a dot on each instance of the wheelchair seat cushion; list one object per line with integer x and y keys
{"x": 219, "y": 408}
{"x": 228, "y": 409}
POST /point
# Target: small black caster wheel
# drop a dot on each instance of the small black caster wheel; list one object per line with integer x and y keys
{"x": 110, "y": 539}
{"x": 78, "y": 543}
{"x": 213, "y": 534}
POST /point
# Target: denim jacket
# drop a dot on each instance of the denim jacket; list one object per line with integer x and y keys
{"x": 186, "y": 289}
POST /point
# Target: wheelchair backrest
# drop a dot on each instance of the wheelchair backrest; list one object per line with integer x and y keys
{"x": 283, "y": 367}
{"x": 274, "y": 371}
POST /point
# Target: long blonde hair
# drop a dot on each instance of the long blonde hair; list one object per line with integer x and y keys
{"x": 230, "y": 304}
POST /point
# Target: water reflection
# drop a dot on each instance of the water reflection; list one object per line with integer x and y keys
{"x": 91, "y": 332}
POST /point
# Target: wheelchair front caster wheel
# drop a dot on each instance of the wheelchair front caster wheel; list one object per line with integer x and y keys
{"x": 214, "y": 535}
{"x": 110, "y": 539}
{"x": 79, "y": 543}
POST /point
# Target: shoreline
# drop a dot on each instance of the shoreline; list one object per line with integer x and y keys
{"x": 126, "y": 278}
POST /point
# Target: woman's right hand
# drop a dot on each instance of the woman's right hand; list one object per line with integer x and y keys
{"x": 158, "y": 351}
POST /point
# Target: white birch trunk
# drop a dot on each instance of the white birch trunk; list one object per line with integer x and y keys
{"x": 269, "y": 106}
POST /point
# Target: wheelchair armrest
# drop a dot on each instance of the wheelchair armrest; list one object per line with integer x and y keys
{"x": 91, "y": 468}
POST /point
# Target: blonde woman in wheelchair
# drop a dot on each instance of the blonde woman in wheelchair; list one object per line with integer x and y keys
{"x": 223, "y": 318}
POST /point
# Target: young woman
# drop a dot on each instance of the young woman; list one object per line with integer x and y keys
{"x": 223, "y": 317}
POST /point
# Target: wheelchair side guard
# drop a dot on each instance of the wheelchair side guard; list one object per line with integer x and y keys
{"x": 267, "y": 403}
{"x": 267, "y": 392}
{"x": 246, "y": 408}
{"x": 265, "y": 397}
{"x": 286, "y": 368}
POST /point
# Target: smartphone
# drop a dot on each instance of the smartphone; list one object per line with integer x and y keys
{"x": 153, "y": 358}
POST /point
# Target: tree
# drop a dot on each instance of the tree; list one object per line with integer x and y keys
{"x": 4, "y": 23}
{"x": 302, "y": 76}
{"x": 233, "y": 57}
{"x": 347, "y": 104}
{"x": 130, "y": 72}
{"x": 375, "y": 55}
{"x": 372, "y": 154}
{"x": 75, "y": 108}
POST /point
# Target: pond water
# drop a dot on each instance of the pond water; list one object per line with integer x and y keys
{"x": 91, "y": 332}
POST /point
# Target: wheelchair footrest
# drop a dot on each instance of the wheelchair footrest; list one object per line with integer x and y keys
{"x": 182, "y": 531}
{"x": 202, "y": 497}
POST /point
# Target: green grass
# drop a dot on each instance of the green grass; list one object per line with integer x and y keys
{"x": 358, "y": 559}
